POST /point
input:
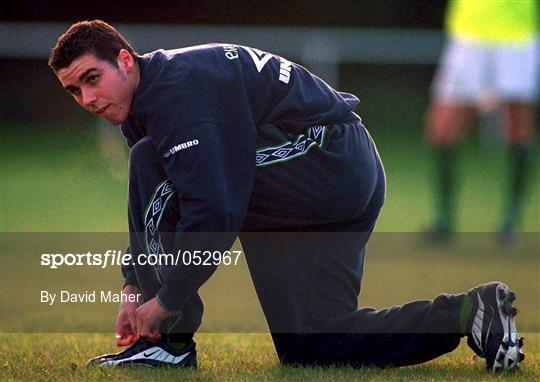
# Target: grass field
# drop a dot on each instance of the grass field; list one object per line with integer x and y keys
{"x": 82, "y": 184}
{"x": 64, "y": 181}
{"x": 227, "y": 357}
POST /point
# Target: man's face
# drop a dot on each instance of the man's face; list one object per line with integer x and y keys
{"x": 101, "y": 88}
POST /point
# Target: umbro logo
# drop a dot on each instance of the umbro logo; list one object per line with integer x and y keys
{"x": 260, "y": 59}
{"x": 181, "y": 146}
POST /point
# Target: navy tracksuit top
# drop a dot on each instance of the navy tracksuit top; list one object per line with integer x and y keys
{"x": 204, "y": 108}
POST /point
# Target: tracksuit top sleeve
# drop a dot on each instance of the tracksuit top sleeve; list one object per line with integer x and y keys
{"x": 207, "y": 143}
{"x": 214, "y": 183}
{"x": 201, "y": 107}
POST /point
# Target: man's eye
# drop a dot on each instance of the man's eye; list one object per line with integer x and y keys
{"x": 93, "y": 78}
{"x": 75, "y": 92}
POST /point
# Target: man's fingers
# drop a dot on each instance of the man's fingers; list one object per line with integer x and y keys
{"x": 122, "y": 324}
{"x": 145, "y": 331}
{"x": 119, "y": 327}
{"x": 142, "y": 322}
{"x": 124, "y": 330}
{"x": 132, "y": 317}
{"x": 126, "y": 339}
{"x": 154, "y": 335}
{"x": 148, "y": 316}
{"x": 139, "y": 324}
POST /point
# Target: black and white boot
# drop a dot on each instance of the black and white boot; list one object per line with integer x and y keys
{"x": 150, "y": 354}
{"x": 492, "y": 332}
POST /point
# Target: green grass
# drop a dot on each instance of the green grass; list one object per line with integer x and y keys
{"x": 53, "y": 343}
{"x": 56, "y": 180}
{"x": 227, "y": 357}
{"x": 62, "y": 180}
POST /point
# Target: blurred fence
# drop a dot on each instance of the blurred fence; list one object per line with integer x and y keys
{"x": 321, "y": 49}
{"x": 404, "y": 58}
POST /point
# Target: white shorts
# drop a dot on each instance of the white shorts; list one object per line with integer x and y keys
{"x": 472, "y": 72}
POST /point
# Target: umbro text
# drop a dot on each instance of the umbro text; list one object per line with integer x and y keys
{"x": 181, "y": 146}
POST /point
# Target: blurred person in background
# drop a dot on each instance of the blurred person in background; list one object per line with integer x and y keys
{"x": 492, "y": 59}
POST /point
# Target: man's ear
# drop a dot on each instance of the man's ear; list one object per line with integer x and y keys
{"x": 125, "y": 60}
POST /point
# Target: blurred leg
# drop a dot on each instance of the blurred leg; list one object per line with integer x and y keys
{"x": 517, "y": 72}
{"x": 519, "y": 122}
{"x": 519, "y": 119}
{"x": 446, "y": 122}
{"x": 444, "y": 126}
{"x": 457, "y": 87}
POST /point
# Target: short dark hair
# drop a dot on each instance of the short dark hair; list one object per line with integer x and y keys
{"x": 95, "y": 37}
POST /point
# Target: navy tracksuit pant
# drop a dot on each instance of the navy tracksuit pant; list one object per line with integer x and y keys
{"x": 304, "y": 239}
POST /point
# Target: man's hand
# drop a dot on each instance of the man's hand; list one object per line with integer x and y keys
{"x": 126, "y": 324}
{"x": 148, "y": 316}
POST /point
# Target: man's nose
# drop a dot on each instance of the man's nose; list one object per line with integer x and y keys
{"x": 88, "y": 97}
